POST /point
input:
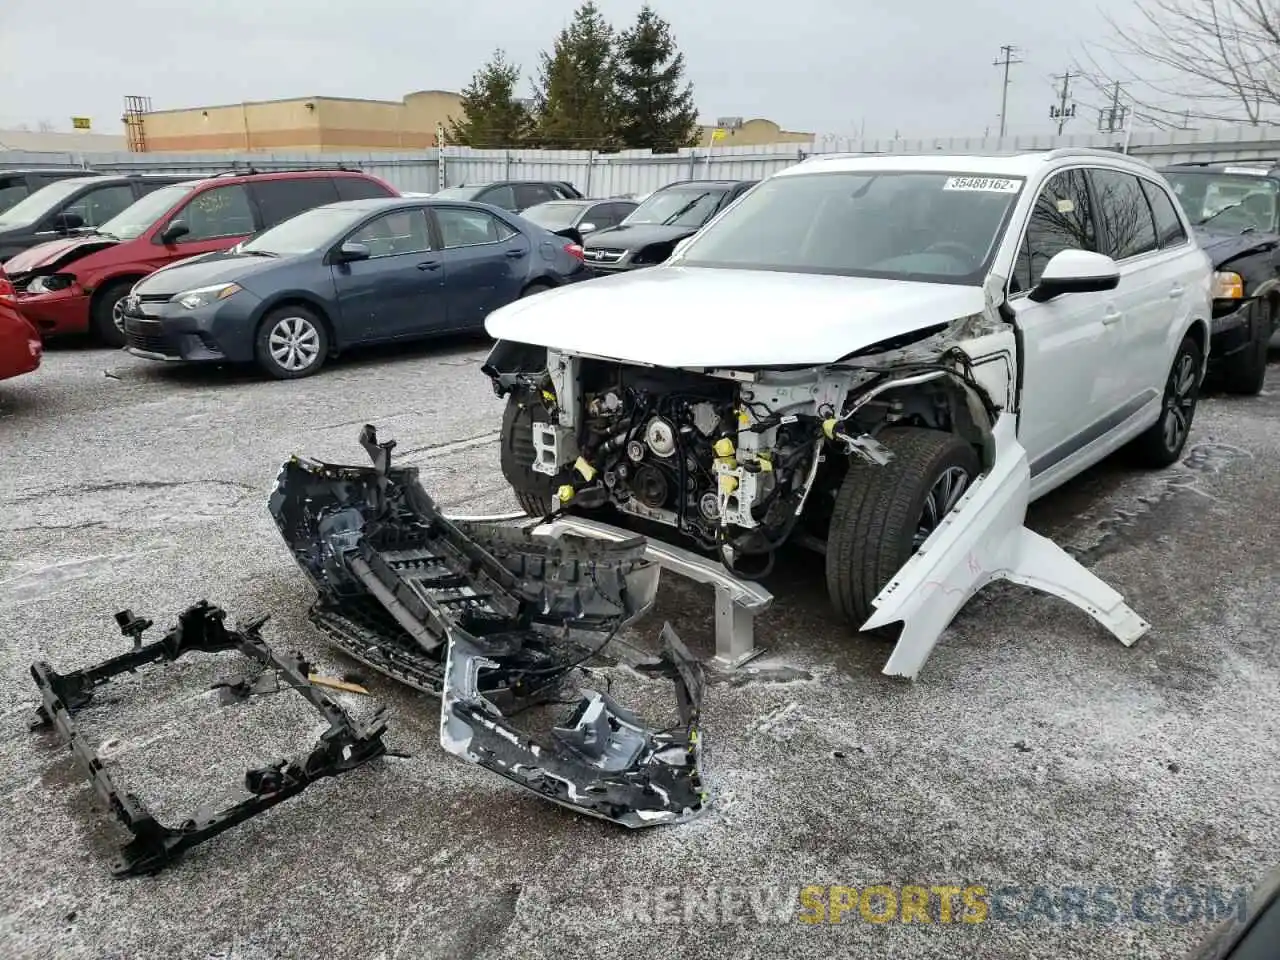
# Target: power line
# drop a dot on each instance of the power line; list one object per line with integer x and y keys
{"x": 1005, "y": 60}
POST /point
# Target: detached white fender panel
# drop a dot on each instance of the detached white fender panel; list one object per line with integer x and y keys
{"x": 981, "y": 540}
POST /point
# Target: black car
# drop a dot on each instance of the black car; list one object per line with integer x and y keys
{"x": 513, "y": 195}
{"x": 667, "y": 216}
{"x": 576, "y": 219}
{"x": 341, "y": 275}
{"x": 17, "y": 185}
{"x": 62, "y": 207}
{"x": 1235, "y": 209}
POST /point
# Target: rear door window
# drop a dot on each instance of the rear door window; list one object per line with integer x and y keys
{"x": 469, "y": 228}
{"x": 217, "y": 213}
{"x": 360, "y": 188}
{"x": 528, "y": 194}
{"x": 281, "y": 199}
{"x": 1169, "y": 229}
{"x": 1124, "y": 215}
{"x": 502, "y": 196}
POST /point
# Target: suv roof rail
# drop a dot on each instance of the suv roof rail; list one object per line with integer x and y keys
{"x": 1249, "y": 162}
{"x": 250, "y": 169}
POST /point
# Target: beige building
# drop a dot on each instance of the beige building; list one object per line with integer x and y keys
{"x": 308, "y": 123}
{"x": 750, "y": 133}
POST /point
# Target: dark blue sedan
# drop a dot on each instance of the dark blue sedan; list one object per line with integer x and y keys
{"x": 363, "y": 271}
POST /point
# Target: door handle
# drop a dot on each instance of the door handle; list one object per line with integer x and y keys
{"x": 516, "y": 254}
{"x": 429, "y": 265}
{"x": 1177, "y": 291}
{"x": 1112, "y": 316}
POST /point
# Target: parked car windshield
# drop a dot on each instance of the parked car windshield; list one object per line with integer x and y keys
{"x": 304, "y": 233}
{"x": 32, "y": 209}
{"x": 1225, "y": 201}
{"x": 133, "y": 221}
{"x": 690, "y": 206}
{"x": 932, "y": 227}
{"x": 553, "y": 215}
{"x": 459, "y": 193}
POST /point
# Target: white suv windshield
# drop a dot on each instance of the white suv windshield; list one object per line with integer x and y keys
{"x": 937, "y": 227}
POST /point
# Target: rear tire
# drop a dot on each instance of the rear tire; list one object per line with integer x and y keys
{"x": 106, "y": 321}
{"x": 538, "y": 286}
{"x": 1162, "y": 444}
{"x": 883, "y": 513}
{"x": 1244, "y": 373}
{"x": 533, "y": 490}
{"x": 292, "y": 342}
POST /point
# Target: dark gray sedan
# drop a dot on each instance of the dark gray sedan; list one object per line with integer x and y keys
{"x": 363, "y": 271}
{"x": 577, "y": 219}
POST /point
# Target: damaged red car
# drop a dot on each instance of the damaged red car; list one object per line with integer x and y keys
{"x": 20, "y": 347}
{"x": 79, "y": 283}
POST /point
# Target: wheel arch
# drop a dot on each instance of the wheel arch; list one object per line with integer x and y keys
{"x": 297, "y": 298}
{"x": 542, "y": 280}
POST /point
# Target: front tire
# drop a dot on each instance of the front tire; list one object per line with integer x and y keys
{"x": 884, "y": 513}
{"x": 106, "y": 313}
{"x": 1243, "y": 373}
{"x": 1162, "y": 444}
{"x": 533, "y": 490}
{"x": 292, "y": 342}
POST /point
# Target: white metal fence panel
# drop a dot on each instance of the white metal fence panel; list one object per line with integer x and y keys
{"x": 639, "y": 171}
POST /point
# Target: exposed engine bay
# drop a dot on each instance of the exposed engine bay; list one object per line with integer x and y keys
{"x": 731, "y": 459}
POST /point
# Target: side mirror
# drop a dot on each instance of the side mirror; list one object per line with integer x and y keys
{"x": 350, "y": 252}
{"x": 1076, "y": 271}
{"x": 176, "y": 230}
{"x": 586, "y": 227}
{"x": 68, "y": 221}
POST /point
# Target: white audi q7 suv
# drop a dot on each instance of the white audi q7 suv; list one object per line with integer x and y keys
{"x": 883, "y": 357}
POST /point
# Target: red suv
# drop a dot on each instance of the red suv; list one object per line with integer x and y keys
{"x": 79, "y": 283}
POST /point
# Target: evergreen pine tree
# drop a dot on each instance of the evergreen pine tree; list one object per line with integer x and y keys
{"x": 574, "y": 100}
{"x": 654, "y": 107}
{"x": 493, "y": 117}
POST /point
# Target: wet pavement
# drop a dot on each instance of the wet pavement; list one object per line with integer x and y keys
{"x": 1035, "y": 757}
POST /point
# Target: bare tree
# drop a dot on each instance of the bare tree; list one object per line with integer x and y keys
{"x": 1214, "y": 60}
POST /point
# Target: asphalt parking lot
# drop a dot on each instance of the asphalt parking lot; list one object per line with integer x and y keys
{"x": 1034, "y": 750}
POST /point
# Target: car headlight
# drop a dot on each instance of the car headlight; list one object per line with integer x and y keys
{"x": 1228, "y": 285}
{"x": 50, "y": 283}
{"x": 203, "y": 296}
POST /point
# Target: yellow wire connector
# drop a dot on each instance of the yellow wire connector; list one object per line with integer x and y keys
{"x": 587, "y": 471}
{"x": 724, "y": 447}
{"x": 829, "y": 428}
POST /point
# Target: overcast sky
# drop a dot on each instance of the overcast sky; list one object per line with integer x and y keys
{"x": 920, "y": 67}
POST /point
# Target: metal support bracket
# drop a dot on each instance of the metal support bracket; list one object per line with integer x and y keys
{"x": 738, "y": 601}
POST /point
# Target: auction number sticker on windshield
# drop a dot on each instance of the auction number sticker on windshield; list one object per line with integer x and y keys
{"x": 986, "y": 184}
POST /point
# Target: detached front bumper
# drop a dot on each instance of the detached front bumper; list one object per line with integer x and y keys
{"x": 221, "y": 332}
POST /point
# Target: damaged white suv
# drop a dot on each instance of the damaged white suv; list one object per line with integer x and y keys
{"x": 883, "y": 357}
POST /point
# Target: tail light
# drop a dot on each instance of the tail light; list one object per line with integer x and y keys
{"x": 6, "y": 288}
{"x": 574, "y": 250}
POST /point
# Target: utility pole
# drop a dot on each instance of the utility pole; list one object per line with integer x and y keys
{"x": 1062, "y": 112}
{"x": 1113, "y": 118}
{"x": 1006, "y": 60}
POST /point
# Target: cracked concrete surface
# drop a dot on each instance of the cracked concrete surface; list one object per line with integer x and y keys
{"x": 1033, "y": 750}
